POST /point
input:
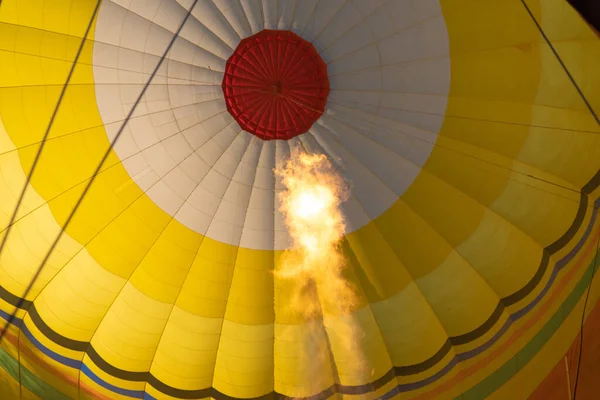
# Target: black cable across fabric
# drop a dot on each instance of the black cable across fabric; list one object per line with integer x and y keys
{"x": 33, "y": 168}
{"x": 581, "y": 328}
{"x": 590, "y": 11}
{"x": 100, "y": 165}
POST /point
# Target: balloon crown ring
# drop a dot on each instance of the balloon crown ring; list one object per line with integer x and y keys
{"x": 275, "y": 85}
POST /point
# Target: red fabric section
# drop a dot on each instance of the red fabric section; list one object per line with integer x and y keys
{"x": 275, "y": 85}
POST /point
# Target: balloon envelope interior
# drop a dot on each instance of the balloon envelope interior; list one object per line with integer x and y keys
{"x": 143, "y": 219}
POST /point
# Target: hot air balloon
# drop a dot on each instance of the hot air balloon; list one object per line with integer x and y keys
{"x": 142, "y": 224}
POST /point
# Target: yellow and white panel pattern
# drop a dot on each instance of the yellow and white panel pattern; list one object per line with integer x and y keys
{"x": 473, "y": 160}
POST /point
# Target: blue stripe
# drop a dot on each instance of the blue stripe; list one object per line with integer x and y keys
{"x": 460, "y": 357}
{"x": 560, "y": 264}
{"x": 137, "y": 394}
{"x": 69, "y": 362}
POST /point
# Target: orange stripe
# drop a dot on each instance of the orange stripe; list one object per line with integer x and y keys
{"x": 517, "y": 334}
{"x": 41, "y": 362}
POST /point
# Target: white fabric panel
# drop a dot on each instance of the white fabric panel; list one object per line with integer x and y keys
{"x": 395, "y": 171}
{"x": 320, "y": 16}
{"x": 235, "y": 16}
{"x": 285, "y": 14}
{"x": 229, "y": 220}
{"x": 207, "y": 14}
{"x": 259, "y": 224}
{"x": 282, "y": 238}
{"x": 253, "y": 12}
{"x": 341, "y": 22}
{"x": 364, "y": 182}
{"x": 269, "y": 14}
{"x": 389, "y": 82}
{"x": 302, "y": 14}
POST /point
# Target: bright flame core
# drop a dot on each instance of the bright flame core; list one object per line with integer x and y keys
{"x": 310, "y": 204}
{"x": 311, "y": 207}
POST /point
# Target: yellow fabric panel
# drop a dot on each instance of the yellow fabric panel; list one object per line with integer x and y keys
{"x": 207, "y": 287}
{"x": 26, "y": 247}
{"x": 130, "y": 331}
{"x": 77, "y": 299}
{"x": 358, "y": 347}
{"x": 576, "y": 44}
{"x": 494, "y": 73}
{"x": 565, "y": 153}
{"x": 442, "y": 200}
{"x": 564, "y": 150}
{"x": 407, "y": 232}
{"x": 244, "y": 364}
{"x": 69, "y": 160}
{"x": 98, "y": 208}
{"x": 541, "y": 215}
{"x": 440, "y": 233}
{"x": 250, "y": 299}
{"x": 452, "y": 286}
{"x": 9, "y": 184}
{"x": 63, "y": 16}
{"x": 502, "y": 254}
{"x": 33, "y": 231}
{"x": 163, "y": 270}
{"x": 411, "y": 330}
{"x": 160, "y": 395}
{"x": 185, "y": 357}
{"x": 302, "y": 362}
{"x": 441, "y": 207}
{"x": 379, "y": 272}
{"x": 284, "y": 305}
{"x": 121, "y": 246}
{"x": 38, "y": 79}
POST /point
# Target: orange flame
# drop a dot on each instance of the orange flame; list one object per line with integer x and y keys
{"x": 311, "y": 207}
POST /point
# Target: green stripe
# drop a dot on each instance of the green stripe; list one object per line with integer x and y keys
{"x": 480, "y": 391}
{"x": 499, "y": 377}
{"x": 33, "y": 383}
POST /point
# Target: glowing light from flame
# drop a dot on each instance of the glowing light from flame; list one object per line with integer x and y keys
{"x": 311, "y": 204}
{"x": 311, "y": 207}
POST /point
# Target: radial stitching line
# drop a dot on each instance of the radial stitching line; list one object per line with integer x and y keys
{"x": 365, "y": 388}
{"x": 404, "y": 370}
{"x": 590, "y": 186}
{"x": 587, "y": 186}
{"x": 37, "y": 158}
{"x": 562, "y": 64}
{"x": 99, "y": 167}
{"x": 96, "y": 172}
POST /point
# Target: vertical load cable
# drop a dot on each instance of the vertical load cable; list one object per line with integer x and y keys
{"x": 13, "y": 218}
{"x": 97, "y": 171}
{"x": 590, "y": 11}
